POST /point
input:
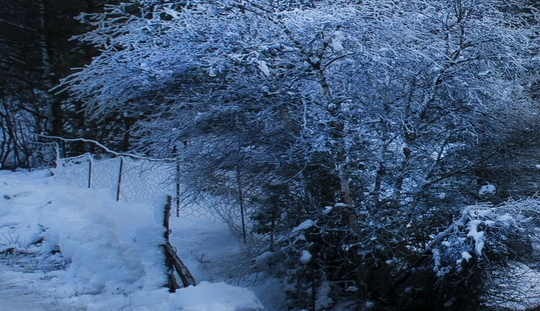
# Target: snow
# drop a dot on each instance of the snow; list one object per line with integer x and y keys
{"x": 304, "y": 225}
{"x": 69, "y": 248}
{"x": 264, "y": 68}
{"x": 478, "y": 236}
{"x": 369, "y": 304}
{"x": 328, "y": 209}
{"x": 264, "y": 256}
{"x": 505, "y": 218}
{"x": 351, "y": 289}
{"x": 466, "y": 255}
{"x": 481, "y": 212}
{"x": 336, "y": 44}
{"x": 323, "y": 300}
{"x": 488, "y": 189}
{"x": 306, "y": 257}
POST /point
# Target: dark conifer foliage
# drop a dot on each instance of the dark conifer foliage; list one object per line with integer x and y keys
{"x": 36, "y": 51}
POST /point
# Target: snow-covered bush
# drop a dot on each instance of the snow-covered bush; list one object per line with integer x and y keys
{"x": 484, "y": 257}
{"x": 481, "y": 232}
{"x": 487, "y": 249}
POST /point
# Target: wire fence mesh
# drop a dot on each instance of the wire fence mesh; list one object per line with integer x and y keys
{"x": 127, "y": 179}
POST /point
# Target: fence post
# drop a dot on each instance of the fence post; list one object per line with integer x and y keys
{"x": 57, "y": 154}
{"x": 119, "y": 178}
{"x": 242, "y": 203}
{"x": 172, "y": 282}
{"x": 89, "y": 171}
{"x": 177, "y": 179}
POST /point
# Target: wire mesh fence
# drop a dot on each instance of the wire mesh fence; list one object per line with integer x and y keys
{"x": 127, "y": 179}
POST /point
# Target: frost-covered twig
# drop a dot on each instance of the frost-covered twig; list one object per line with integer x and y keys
{"x": 118, "y": 154}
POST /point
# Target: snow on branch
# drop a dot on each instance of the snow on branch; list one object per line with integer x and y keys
{"x": 485, "y": 231}
{"x": 105, "y": 148}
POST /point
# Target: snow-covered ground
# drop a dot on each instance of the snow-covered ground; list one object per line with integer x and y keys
{"x": 69, "y": 248}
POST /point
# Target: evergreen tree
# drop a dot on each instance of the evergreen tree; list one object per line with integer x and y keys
{"x": 36, "y": 51}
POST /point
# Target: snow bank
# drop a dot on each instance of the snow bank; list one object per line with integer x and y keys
{"x": 107, "y": 253}
{"x": 203, "y": 297}
{"x": 224, "y": 298}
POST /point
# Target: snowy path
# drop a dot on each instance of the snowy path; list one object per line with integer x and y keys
{"x": 212, "y": 253}
{"x": 17, "y": 293}
{"x": 109, "y": 252}
{"x": 207, "y": 247}
{"x": 15, "y": 299}
{"x": 15, "y": 296}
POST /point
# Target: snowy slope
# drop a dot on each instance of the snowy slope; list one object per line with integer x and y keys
{"x": 68, "y": 248}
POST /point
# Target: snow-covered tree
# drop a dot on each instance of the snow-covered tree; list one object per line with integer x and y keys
{"x": 384, "y": 110}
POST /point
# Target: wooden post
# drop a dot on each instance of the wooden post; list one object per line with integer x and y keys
{"x": 242, "y": 203}
{"x": 90, "y": 172}
{"x": 166, "y": 216}
{"x": 172, "y": 283}
{"x": 177, "y": 180}
{"x": 119, "y": 178}
{"x": 57, "y": 154}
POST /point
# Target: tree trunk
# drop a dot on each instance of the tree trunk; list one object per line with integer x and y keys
{"x": 53, "y": 109}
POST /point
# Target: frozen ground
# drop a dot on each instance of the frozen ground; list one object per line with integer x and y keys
{"x": 69, "y": 248}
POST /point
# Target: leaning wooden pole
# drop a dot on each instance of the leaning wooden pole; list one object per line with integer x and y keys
{"x": 185, "y": 275}
{"x": 172, "y": 259}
